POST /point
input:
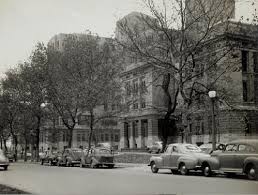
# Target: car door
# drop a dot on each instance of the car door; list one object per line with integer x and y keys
{"x": 166, "y": 156}
{"x": 227, "y": 158}
{"x": 89, "y": 156}
{"x": 174, "y": 157}
{"x": 244, "y": 151}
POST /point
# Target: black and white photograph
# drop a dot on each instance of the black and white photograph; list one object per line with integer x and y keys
{"x": 129, "y": 97}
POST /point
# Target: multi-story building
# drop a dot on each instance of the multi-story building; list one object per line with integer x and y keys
{"x": 236, "y": 107}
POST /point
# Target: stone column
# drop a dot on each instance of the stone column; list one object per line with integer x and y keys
{"x": 122, "y": 135}
{"x": 140, "y": 139}
{"x": 131, "y": 135}
{"x": 152, "y": 131}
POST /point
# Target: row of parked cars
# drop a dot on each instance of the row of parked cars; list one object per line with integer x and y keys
{"x": 93, "y": 157}
{"x": 236, "y": 157}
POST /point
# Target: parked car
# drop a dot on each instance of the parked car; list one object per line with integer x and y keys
{"x": 207, "y": 148}
{"x": 156, "y": 147}
{"x": 10, "y": 155}
{"x": 99, "y": 156}
{"x": 70, "y": 157}
{"x": 50, "y": 157}
{"x": 4, "y": 162}
{"x": 178, "y": 157}
{"x": 238, "y": 157}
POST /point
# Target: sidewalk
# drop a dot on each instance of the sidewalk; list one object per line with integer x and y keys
{"x": 116, "y": 164}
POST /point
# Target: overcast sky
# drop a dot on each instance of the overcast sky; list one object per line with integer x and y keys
{"x": 25, "y": 22}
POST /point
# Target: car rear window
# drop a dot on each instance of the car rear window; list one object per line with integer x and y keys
{"x": 191, "y": 148}
{"x": 104, "y": 151}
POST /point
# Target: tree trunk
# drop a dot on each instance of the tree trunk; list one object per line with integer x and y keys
{"x": 15, "y": 139}
{"x": 5, "y": 146}
{"x": 1, "y": 143}
{"x": 70, "y": 136}
{"x": 91, "y": 130}
{"x": 25, "y": 150}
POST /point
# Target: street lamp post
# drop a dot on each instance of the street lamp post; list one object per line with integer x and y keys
{"x": 212, "y": 95}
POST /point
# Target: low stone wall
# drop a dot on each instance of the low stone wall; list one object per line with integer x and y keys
{"x": 130, "y": 157}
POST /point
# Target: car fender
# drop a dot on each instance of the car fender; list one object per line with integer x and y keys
{"x": 213, "y": 162}
{"x": 157, "y": 159}
{"x": 190, "y": 162}
{"x": 253, "y": 160}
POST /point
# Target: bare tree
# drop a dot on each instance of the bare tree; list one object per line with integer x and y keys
{"x": 82, "y": 76}
{"x": 187, "y": 42}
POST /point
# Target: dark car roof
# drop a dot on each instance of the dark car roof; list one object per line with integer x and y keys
{"x": 252, "y": 142}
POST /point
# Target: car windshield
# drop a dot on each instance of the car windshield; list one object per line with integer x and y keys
{"x": 104, "y": 151}
{"x": 191, "y": 148}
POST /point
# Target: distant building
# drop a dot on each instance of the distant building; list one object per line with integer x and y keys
{"x": 54, "y": 134}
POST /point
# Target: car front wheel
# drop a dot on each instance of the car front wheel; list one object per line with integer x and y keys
{"x": 206, "y": 170}
{"x": 154, "y": 168}
{"x": 183, "y": 170}
{"x": 252, "y": 172}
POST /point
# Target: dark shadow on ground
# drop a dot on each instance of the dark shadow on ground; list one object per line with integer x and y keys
{"x": 9, "y": 190}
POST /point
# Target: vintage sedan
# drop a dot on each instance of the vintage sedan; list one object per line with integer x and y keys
{"x": 156, "y": 147}
{"x": 96, "y": 157}
{"x": 178, "y": 158}
{"x": 4, "y": 162}
{"x": 238, "y": 157}
{"x": 50, "y": 157}
{"x": 70, "y": 157}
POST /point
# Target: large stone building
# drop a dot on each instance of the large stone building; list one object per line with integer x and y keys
{"x": 237, "y": 90}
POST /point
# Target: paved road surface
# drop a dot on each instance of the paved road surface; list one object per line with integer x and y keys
{"x": 39, "y": 179}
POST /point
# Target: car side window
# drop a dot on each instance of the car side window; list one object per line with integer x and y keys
{"x": 231, "y": 148}
{"x": 245, "y": 148}
{"x": 175, "y": 149}
{"x": 169, "y": 150}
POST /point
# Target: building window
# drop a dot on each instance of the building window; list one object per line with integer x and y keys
{"x": 78, "y": 137}
{"x": 244, "y": 61}
{"x": 135, "y": 86}
{"x": 102, "y": 137}
{"x": 143, "y": 104}
{"x": 143, "y": 87}
{"x": 135, "y": 105}
{"x": 106, "y": 137}
{"x": 116, "y": 138}
{"x": 83, "y": 137}
{"x": 128, "y": 88}
{"x": 83, "y": 120}
{"x": 245, "y": 91}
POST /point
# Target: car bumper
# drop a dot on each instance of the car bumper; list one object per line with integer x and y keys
{"x": 2, "y": 164}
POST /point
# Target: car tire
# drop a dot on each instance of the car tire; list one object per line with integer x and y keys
{"x": 50, "y": 163}
{"x": 42, "y": 162}
{"x": 206, "y": 170}
{"x": 92, "y": 165}
{"x": 183, "y": 170}
{"x": 81, "y": 164}
{"x": 174, "y": 172}
{"x": 111, "y": 166}
{"x": 251, "y": 172}
{"x": 154, "y": 168}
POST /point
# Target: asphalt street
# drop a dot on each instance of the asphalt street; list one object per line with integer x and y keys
{"x": 38, "y": 179}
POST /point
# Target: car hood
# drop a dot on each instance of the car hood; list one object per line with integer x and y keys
{"x": 3, "y": 159}
{"x": 198, "y": 155}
